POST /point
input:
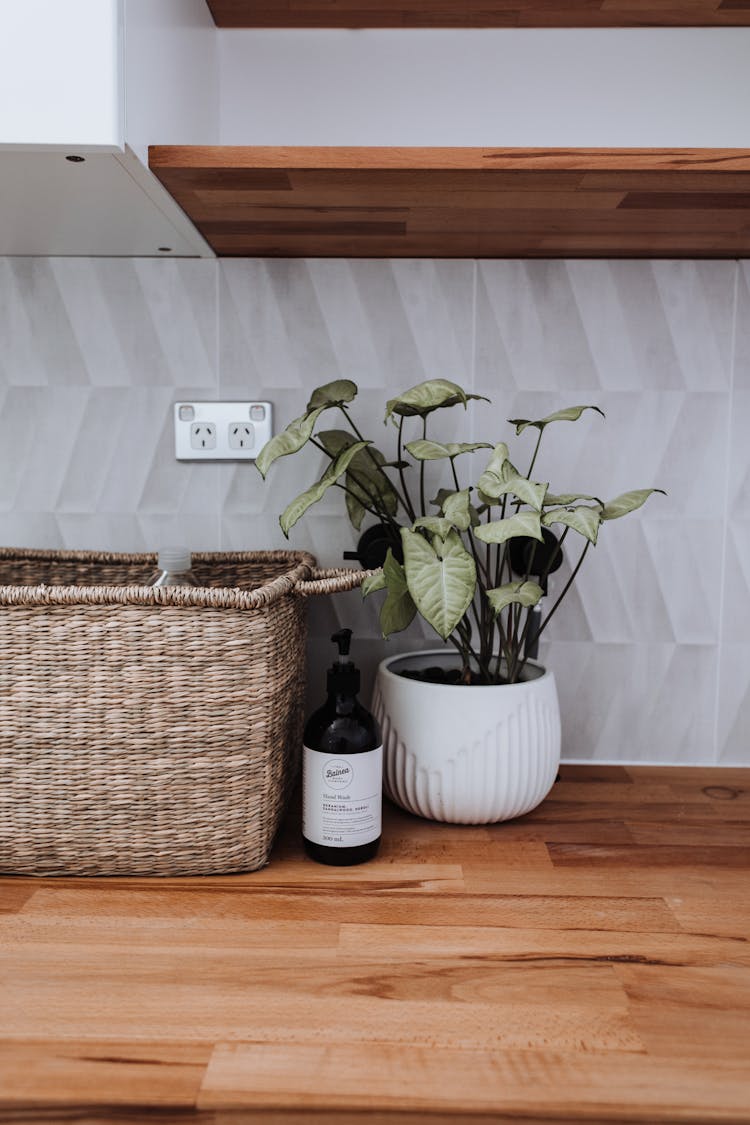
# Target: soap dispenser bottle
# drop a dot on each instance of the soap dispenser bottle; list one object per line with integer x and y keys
{"x": 342, "y": 771}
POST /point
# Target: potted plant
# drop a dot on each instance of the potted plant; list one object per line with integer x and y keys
{"x": 471, "y": 731}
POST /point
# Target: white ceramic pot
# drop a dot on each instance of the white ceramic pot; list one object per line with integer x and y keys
{"x": 466, "y": 755}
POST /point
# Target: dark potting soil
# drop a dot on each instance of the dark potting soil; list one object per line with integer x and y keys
{"x": 437, "y": 675}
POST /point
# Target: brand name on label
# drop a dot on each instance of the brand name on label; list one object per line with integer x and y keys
{"x": 337, "y": 773}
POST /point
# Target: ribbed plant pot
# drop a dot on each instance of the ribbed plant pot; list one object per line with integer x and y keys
{"x": 466, "y": 755}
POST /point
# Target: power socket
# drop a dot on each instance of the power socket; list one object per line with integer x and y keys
{"x": 221, "y": 431}
{"x": 203, "y": 435}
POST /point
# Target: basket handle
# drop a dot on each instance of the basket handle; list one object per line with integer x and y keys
{"x": 332, "y": 581}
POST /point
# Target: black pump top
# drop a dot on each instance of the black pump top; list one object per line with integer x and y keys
{"x": 343, "y": 639}
{"x": 343, "y": 677}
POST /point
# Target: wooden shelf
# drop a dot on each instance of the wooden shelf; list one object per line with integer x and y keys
{"x": 463, "y": 202}
{"x": 480, "y": 13}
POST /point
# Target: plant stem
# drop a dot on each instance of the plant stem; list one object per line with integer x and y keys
{"x": 542, "y": 582}
{"x": 536, "y": 450}
{"x": 564, "y": 591}
{"x": 421, "y": 469}
{"x": 399, "y": 457}
{"x": 374, "y": 460}
{"x": 373, "y": 508}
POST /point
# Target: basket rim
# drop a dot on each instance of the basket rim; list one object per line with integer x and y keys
{"x": 301, "y": 566}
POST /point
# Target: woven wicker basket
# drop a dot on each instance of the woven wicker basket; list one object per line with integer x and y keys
{"x": 149, "y": 731}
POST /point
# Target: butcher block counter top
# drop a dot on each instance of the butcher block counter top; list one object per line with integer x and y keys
{"x": 587, "y": 963}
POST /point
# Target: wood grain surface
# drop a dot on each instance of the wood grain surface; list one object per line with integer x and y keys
{"x": 463, "y": 202}
{"x": 589, "y": 962}
{"x": 480, "y": 13}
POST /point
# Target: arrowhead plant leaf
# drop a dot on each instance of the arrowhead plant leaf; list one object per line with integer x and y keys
{"x": 367, "y": 484}
{"x": 332, "y": 394}
{"x": 373, "y": 582}
{"x": 514, "y": 593}
{"x": 569, "y": 414}
{"x": 436, "y": 525}
{"x": 583, "y": 519}
{"x": 426, "y": 397}
{"x": 355, "y": 510}
{"x": 441, "y": 578}
{"x": 564, "y": 499}
{"x": 628, "y": 502}
{"x": 423, "y": 450}
{"x": 491, "y": 474}
{"x": 458, "y": 510}
{"x": 317, "y": 491}
{"x": 398, "y": 610}
{"x": 291, "y": 440}
{"x": 501, "y": 477}
{"x": 523, "y": 523}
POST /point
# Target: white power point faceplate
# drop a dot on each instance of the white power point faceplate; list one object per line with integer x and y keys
{"x": 221, "y": 431}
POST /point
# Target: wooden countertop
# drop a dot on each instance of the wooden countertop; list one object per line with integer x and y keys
{"x": 588, "y": 963}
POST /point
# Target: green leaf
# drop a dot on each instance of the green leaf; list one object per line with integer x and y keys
{"x": 494, "y": 467}
{"x": 569, "y": 414}
{"x": 566, "y": 498}
{"x": 501, "y": 477}
{"x": 354, "y": 509}
{"x": 368, "y": 485}
{"x": 398, "y": 610}
{"x": 291, "y": 440}
{"x": 441, "y": 578}
{"x": 423, "y": 450}
{"x": 332, "y": 394}
{"x": 373, "y": 582}
{"x": 442, "y": 496}
{"x": 523, "y": 523}
{"x": 583, "y": 519}
{"x": 333, "y": 441}
{"x": 518, "y": 593}
{"x": 458, "y": 510}
{"x": 436, "y": 525}
{"x": 426, "y": 397}
{"x": 312, "y": 495}
{"x": 628, "y": 502}
{"x": 527, "y": 490}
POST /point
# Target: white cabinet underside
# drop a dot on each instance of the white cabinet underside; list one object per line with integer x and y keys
{"x": 107, "y": 205}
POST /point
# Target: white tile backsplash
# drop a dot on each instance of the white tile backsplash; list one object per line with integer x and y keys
{"x": 652, "y": 647}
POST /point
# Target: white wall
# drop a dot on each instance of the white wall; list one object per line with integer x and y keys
{"x": 60, "y": 74}
{"x": 172, "y": 78}
{"x": 640, "y": 87}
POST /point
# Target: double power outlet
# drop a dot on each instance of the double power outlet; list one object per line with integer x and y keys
{"x": 221, "y": 431}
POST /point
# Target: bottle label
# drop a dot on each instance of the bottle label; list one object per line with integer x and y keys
{"x": 342, "y": 797}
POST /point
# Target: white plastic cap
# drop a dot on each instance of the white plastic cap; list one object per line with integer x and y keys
{"x": 175, "y": 560}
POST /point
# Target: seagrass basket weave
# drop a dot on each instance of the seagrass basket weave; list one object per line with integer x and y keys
{"x": 150, "y": 731}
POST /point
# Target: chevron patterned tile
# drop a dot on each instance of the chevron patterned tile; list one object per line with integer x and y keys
{"x": 733, "y": 728}
{"x": 742, "y": 335}
{"x": 617, "y": 325}
{"x": 295, "y": 323}
{"x": 107, "y": 322}
{"x": 98, "y": 349}
{"x": 639, "y": 702}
